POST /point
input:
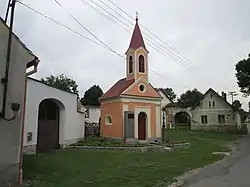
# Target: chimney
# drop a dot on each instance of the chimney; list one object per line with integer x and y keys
{"x": 224, "y": 95}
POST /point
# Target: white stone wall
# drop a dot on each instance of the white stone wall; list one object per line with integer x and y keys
{"x": 71, "y": 123}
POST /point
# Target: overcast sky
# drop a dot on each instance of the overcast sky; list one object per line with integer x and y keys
{"x": 211, "y": 36}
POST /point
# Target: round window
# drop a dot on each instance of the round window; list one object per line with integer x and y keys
{"x": 142, "y": 88}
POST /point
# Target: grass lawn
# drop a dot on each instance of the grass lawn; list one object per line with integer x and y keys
{"x": 88, "y": 168}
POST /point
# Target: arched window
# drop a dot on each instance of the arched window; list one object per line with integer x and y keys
{"x": 141, "y": 64}
{"x": 108, "y": 120}
{"x": 130, "y": 65}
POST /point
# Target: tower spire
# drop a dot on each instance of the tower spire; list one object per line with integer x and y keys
{"x": 137, "y": 39}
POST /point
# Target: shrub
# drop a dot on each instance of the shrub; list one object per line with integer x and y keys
{"x": 243, "y": 129}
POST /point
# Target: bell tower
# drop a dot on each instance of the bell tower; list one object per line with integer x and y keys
{"x": 137, "y": 56}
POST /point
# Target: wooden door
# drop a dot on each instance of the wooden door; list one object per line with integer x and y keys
{"x": 48, "y": 126}
{"x": 142, "y": 126}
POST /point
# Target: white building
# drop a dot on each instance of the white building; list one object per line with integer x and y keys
{"x": 51, "y": 118}
{"x": 213, "y": 112}
{"x": 92, "y": 114}
{"x": 22, "y": 63}
{"x": 164, "y": 102}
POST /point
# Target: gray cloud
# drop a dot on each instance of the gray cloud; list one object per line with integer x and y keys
{"x": 213, "y": 35}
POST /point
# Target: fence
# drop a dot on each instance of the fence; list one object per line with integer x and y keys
{"x": 92, "y": 129}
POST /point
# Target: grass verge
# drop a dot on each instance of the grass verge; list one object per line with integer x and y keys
{"x": 103, "y": 168}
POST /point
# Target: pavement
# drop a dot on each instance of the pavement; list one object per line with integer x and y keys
{"x": 232, "y": 171}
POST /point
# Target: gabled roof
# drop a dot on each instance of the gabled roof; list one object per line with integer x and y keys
{"x": 117, "y": 89}
{"x": 206, "y": 93}
{"x": 137, "y": 39}
{"x": 165, "y": 93}
{"x": 23, "y": 45}
{"x": 153, "y": 93}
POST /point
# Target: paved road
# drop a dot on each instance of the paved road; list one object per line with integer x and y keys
{"x": 233, "y": 171}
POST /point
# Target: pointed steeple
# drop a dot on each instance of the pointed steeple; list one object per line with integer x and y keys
{"x": 137, "y": 39}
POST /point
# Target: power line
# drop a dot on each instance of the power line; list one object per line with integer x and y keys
{"x": 128, "y": 30}
{"x": 163, "y": 51}
{"x": 153, "y": 45}
{"x": 81, "y": 35}
{"x": 101, "y": 13}
{"x": 85, "y": 28}
{"x": 62, "y": 25}
{"x": 153, "y": 34}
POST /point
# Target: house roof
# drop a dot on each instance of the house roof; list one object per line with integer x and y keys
{"x": 206, "y": 93}
{"x": 165, "y": 93}
{"x": 170, "y": 105}
{"x": 137, "y": 39}
{"x": 23, "y": 45}
{"x": 117, "y": 89}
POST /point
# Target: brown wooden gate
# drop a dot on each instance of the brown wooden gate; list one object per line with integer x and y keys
{"x": 48, "y": 126}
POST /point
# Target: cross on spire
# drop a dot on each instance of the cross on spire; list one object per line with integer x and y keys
{"x": 137, "y": 16}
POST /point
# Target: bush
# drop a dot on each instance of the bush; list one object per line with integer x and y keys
{"x": 243, "y": 129}
{"x": 105, "y": 142}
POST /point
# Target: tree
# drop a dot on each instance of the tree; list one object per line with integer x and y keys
{"x": 243, "y": 75}
{"x": 236, "y": 104}
{"x": 243, "y": 114}
{"x": 190, "y": 98}
{"x": 92, "y": 95}
{"x": 62, "y": 82}
{"x": 170, "y": 93}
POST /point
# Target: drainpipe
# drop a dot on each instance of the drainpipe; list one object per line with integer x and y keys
{"x": 20, "y": 178}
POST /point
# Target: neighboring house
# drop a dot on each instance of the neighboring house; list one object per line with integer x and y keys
{"x": 131, "y": 108}
{"x": 213, "y": 112}
{"x": 21, "y": 61}
{"x": 168, "y": 105}
{"x": 52, "y": 119}
{"x": 92, "y": 114}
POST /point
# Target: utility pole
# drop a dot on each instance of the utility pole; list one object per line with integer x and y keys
{"x": 7, "y": 12}
{"x": 5, "y": 79}
{"x": 163, "y": 125}
{"x": 232, "y": 93}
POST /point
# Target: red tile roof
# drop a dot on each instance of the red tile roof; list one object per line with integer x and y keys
{"x": 117, "y": 89}
{"x": 137, "y": 39}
